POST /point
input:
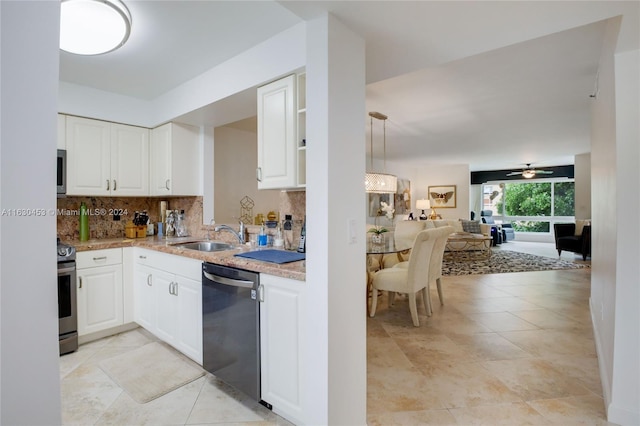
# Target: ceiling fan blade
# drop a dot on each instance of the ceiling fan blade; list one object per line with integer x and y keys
{"x": 514, "y": 173}
{"x": 544, "y": 172}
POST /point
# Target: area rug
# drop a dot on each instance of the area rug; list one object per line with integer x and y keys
{"x": 151, "y": 371}
{"x": 502, "y": 261}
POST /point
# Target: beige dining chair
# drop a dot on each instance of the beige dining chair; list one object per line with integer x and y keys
{"x": 404, "y": 234}
{"x": 412, "y": 276}
{"x": 435, "y": 266}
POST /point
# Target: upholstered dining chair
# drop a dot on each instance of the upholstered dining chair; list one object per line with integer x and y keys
{"x": 435, "y": 267}
{"x": 414, "y": 275}
{"x": 405, "y": 234}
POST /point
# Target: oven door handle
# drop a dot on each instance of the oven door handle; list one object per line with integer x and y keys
{"x": 228, "y": 281}
{"x": 66, "y": 270}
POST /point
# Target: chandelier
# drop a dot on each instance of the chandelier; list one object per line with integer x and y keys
{"x": 374, "y": 182}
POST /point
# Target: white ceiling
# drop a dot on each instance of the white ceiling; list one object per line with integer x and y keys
{"x": 489, "y": 84}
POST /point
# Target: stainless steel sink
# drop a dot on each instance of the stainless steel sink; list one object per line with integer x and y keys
{"x": 206, "y": 246}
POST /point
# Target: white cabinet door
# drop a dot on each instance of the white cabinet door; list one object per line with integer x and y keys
{"x": 160, "y": 160}
{"x": 129, "y": 160}
{"x": 175, "y": 164}
{"x": 106, "y": 158}
{"x": 166, "y": 306}
{"x": 281, "y": 316}
{"x": 189, "y": 318}
{"x": 88, "y": 162}
{"x": 99, "y": 298}
{"x": 62, "y": 131}
{"x": 144, "y": 298}
{"x": 277, "y": 148}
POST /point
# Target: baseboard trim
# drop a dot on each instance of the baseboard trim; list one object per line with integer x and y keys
{"x": 106, "y": 333}
{"x": 604, "y": 378}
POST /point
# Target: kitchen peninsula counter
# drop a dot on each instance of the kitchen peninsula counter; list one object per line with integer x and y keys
{"x": 293, "y": 270}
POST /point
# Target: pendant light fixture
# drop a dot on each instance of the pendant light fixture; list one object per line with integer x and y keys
{"x": 93, "y": 27}
{"x": 380, "y": 183}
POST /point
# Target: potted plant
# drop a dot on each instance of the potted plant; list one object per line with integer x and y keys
{"x": 378, "y": 234}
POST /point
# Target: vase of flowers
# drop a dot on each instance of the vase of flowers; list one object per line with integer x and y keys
{"x": 377, "y": 232}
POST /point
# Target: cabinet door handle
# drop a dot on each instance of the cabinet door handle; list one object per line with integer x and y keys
{"x": 95, "y": 259}
{"x": 80, "y": 282}
{"x": 171, "y": 287}
{"x": 142, "y": 257}
{"x": 260, "y": 293}
{"x": 259, "y": 174}
{"x": 114, "y": 184}
{"x": 108, "y": 185}
{"x": 175, "y": 289}
{"x": 166, "y": 184}
{"x": 149, "y": 282}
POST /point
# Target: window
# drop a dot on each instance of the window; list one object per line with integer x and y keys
{"x": 531, "y": 206}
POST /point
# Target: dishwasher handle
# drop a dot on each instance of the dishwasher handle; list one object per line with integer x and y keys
{"x": 228, "y": 281}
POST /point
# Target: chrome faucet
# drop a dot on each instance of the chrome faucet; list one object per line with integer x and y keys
{"x": 211, "y": 223}
{"x": 239, "y": 235}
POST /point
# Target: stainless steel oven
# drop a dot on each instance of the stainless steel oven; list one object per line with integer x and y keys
{"x": 67, "y": 299}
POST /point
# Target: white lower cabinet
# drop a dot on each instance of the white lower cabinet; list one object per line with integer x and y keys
{"x": 168, "y": 299}
{"x": 99, "y": 290}
{"x": 281, "y": 326}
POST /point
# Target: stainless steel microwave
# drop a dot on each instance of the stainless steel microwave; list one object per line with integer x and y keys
{"x": 62, "y": 172}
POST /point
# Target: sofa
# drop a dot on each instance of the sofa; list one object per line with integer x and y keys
{"x": 573, "y": 237}
{"x": 462, "y": 225}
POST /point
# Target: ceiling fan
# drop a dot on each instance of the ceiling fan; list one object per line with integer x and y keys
{"x": 530, "y": 172}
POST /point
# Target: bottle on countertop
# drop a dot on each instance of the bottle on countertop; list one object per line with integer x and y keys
{"x": 181, "y": 225}
{"x": 262, "y": 236}
{"x": 287, "y": 227}
{"x": 303, "y": 237}
{"x": 84, "y": 222}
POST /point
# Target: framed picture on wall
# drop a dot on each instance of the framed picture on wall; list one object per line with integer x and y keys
{"x": 375, "y": 206}
{"x": 443, "y": 196}
{"x": 403, "y": 197}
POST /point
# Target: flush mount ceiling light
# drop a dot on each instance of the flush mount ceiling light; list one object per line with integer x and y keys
{"x": 380, "y": 183}
{"x": 93, "y": 27}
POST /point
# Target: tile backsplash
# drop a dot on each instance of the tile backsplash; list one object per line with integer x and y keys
{"x": 102, "y": 224}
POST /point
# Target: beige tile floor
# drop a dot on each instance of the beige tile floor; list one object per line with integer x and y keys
{"x": 510, "y": 349}
{"x": 90, "y": 397}
{"x": 505, "y": 349}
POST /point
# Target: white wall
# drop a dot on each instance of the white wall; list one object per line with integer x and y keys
{"x": 454, "y": 174}
{"x": 29, "y": 372}
{"x": 625, "y": 395}
{"x": 582, "y": 173}
{"x": 236, "y": 156}
{"x": 615, "y": 231}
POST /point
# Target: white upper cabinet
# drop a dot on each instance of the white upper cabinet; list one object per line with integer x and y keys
{"x": 62, "y": 130}
{"x": 277, "y": 148}
{"x": 106, "y": 158}
{"x": 175, "y": 160}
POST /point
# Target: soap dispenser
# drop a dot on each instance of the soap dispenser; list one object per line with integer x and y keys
{"x": 262, "y": 236}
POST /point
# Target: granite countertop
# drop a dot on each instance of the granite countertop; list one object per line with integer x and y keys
{"x": 293, "y": 270}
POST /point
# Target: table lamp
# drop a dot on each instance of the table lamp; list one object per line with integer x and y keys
{"x": 423, "y": 205}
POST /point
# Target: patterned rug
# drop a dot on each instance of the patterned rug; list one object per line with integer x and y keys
{"x": 502, "y": 261}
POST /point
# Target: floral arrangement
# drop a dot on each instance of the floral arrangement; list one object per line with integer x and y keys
{"x": 388, "y": 212}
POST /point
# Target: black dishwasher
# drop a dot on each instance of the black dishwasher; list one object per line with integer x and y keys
{"x": 231, "y": 326}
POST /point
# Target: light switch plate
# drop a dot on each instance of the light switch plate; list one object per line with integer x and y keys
{"x": 352, "y": 234}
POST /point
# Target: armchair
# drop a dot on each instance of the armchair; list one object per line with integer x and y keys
{"x": 566, "y": 238}
{"x": 504, "y": 231}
